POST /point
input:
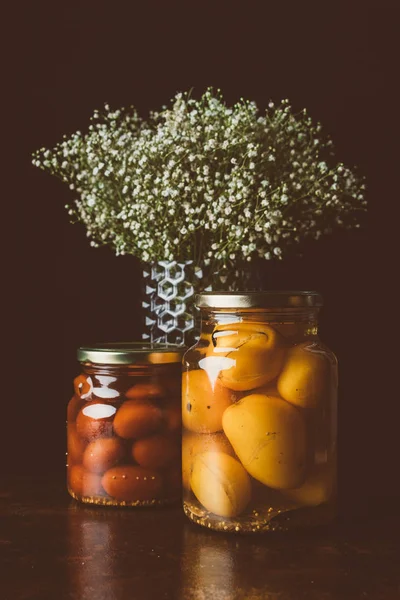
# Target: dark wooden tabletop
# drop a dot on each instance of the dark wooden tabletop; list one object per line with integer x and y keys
{"x": 54, "y": 549}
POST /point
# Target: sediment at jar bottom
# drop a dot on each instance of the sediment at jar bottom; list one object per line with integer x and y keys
{"x": 263, "y": 518}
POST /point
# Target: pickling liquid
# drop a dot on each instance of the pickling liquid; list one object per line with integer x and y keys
{"x": 124, "y": 436}
{"x": 259, "y": 437}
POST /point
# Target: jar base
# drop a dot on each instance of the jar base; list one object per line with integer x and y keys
{"x": 271, "y": 520}
{"x": 107, "y": 501}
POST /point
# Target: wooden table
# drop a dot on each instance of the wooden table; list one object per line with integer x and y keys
{"x": 54, "y": 549}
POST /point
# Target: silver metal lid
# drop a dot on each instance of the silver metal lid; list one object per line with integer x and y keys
{"x": 130, "y": 353}
{"x": 272, "y": 299}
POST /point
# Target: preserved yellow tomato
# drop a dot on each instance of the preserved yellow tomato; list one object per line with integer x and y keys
{"x": 257, "y": 350}
{"x": 316, "y": 489}
{"x": 203, "y": 402}
{"x": 269, "y": 437}
{"x": 196, "y": 443}
{"x": 220, "y": 484}
{"x": 304, "y": 376}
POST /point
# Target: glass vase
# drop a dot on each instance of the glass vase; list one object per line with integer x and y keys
{"x": 170, "y": 315}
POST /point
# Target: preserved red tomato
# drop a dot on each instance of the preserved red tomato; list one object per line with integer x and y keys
{"x": 124, "y": 426}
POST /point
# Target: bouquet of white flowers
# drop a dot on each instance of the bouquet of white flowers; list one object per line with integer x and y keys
{"x": 205, "y": 182}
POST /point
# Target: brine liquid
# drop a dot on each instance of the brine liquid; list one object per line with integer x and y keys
{"x": 124, "y": 436}
{"x": 259, "y": 416}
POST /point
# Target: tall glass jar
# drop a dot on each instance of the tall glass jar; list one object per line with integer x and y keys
{"x": 124, "y": 425}
{"x": 259, "y": 404}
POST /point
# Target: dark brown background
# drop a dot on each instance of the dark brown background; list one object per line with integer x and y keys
{"x": 67, "y": 59}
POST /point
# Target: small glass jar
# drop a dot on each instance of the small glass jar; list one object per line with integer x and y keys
{"x": 124, "y": 425}
{"x": 259, "y": 409}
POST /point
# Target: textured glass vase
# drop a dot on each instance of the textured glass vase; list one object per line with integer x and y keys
{"x": 170, "y": 288}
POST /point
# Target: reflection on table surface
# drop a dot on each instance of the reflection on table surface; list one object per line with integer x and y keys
{"x": 145, "y": 554}
{"x": 55, "y": 549}
{"x": 122, "y": 553}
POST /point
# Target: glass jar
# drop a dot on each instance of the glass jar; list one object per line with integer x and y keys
{"x": 124, "y": 425}
{"x": 259, "y": 404}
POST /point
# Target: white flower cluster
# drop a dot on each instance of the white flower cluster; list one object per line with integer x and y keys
{"x": 204, "y": 181}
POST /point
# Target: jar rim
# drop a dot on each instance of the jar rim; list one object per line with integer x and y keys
{"x": 130, "y": 353}
{"x": 259, "y": 299}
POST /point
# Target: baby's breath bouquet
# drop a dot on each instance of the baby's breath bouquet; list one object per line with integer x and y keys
{"x": 201, "y": 180}
{"x": 204, "y": 182}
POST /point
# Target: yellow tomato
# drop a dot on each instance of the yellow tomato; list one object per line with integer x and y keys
{"x": 256, "y": 352}
{"x": 317, "y": 488}
{"x": 197, "y": 443}
{"x": 304, "y": 376}
{"x": 220, "y": 484}
{"x": 269, "y": 438}
{"x": 203, "y": 402}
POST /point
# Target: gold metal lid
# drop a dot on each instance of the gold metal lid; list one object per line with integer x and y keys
{"x": 130, "y": 353}
{"x": 257, "y": 300}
